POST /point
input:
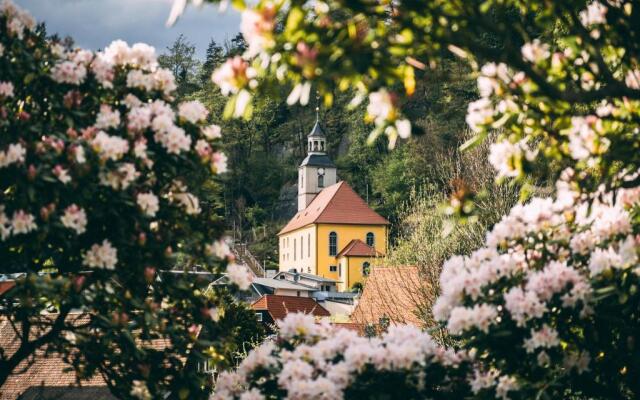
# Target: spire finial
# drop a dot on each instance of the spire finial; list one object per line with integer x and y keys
{"x": 317, "y": 106}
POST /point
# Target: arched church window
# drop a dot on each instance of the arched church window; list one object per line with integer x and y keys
{"x": 365, "y": 268}
{"x": 333, "y": 244}
{"x": 320, "y": 181}
{"x": 371, "y": 239}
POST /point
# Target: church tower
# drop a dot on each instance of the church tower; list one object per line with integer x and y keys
{"x": 317, "y": 171}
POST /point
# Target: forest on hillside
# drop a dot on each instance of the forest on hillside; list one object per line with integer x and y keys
{"x": 265, "y": 151}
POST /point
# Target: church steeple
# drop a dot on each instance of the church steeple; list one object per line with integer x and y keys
{"x": 316, "y": 140}
{"x": 316, "y": 171}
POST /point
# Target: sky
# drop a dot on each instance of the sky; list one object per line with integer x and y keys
{"x": 96, "y": 23}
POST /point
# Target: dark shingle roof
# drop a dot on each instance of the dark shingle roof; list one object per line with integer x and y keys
{"x": 316, "y": 131}
{"x": 318, "y": 160}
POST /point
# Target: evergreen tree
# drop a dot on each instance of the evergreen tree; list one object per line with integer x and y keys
{"x": 214, "y": 57}
{"x": 180, "y": 59}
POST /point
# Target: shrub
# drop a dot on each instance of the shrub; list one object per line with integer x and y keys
{"x": 104, "y": 180}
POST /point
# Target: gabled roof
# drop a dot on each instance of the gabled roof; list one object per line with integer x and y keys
{"x": 45, "y": 370}
{"x": 358, "y": 248}
{"x": 397, "y": 293}
{"x": 352, "y": 326}
{"x": 281, "y": 284}
{"x": 304, "y": 275}
{"x": 280, "y": 306}
{"x": 336, "y": 204}
{"x": 44, "y": 376}
{"x": 5, "y": 286}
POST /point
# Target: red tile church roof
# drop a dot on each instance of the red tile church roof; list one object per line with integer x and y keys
{"x": 358, "y": 248}
{"x": 336, "y": 204}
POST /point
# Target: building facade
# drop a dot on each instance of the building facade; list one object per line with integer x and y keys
{"x": 331, "y": 215}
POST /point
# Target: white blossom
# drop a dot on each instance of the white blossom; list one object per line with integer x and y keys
{"x": 103, "y": 256}
{"x": 220, "y": 248}
{"x": 193, "y": 111}
{"x": 15, "y": 153}
{"x": 479, "y": 112}
{"x": 22, "y": 222}
{"x": 107, "y": 117}
{"x": 535, "y": 51}
{"x": 220, "y": 162}
{"x": 211, "y": 132}
{"x": 595, "y": 14}
{"x": 239, "y": 275}
{"x": 632, "y": 79}
{"x": 148, "y": 203}
{"x": 546, "y": 337}
{"x": 110, "y": 147}
{"x": 140, "y": 390}
{"x": 69, "y": 72}
{"x": 6, "y": 90}
{"x": 257, "y": 27}
{"x": 75, "y": 218}
{"x": 120, "y": 178}
{"x": 233, "y": 75}
{"x": 505, "y": 385}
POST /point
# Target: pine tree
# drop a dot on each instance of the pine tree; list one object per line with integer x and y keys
{"x": 214, "y": 57}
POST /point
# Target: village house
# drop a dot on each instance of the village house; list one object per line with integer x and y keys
{"x": 271, "y": 308}
{"x": 334, "y": 234}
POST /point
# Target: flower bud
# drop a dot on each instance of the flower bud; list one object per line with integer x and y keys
{"x": 32, "y": 172}
{"x": 149, "y": 274}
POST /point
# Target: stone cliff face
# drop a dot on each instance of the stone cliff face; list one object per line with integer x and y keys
{"x": 287, "y": 202}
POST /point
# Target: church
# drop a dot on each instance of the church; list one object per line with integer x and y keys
{"x": 334, "y": 234}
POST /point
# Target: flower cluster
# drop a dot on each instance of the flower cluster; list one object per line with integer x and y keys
{"x": 540, "y": 270}
{"x": 314, "y": 360}
{"x": 548, "y": 305}
{"x": 103, "y": 191}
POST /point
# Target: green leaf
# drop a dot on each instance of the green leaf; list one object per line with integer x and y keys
{"x": 296, "y": 16}
{"x": 473, "y": 142}
{"x": 229, "y": 108}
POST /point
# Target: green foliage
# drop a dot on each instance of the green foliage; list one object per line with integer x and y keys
{"x": 99, "y": 284}
{"x": 428, "y": 235}
{"x": 180, "y": 60}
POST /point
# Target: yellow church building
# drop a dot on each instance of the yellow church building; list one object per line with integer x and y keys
{"x": 334, "y": 234}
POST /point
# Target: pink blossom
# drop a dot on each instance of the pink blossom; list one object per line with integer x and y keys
{"x": 22, "y": 222}
{"x": 6, "y": 89}
{"x": 101, "y": 256}
{"x": 75, "y": 218}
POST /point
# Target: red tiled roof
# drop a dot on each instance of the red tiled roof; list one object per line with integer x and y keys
{"x": 46, "y": 371}
{"x": 280, "y": 306}
{"x": 358, "y": 248}
{"x": 5, "y": 286}
{"x": 396, "y": 293}
{"x": 352, "y": 326}
{"x": 337, "y": 204}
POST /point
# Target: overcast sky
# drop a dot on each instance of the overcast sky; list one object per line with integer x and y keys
{"x": 95, "y": 23}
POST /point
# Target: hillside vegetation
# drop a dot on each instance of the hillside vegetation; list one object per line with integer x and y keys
{"x": 264, "y": 152}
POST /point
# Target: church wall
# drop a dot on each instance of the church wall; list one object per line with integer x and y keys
{"x": 346, "y": 233}
{"x": 303, "y": 257}
{"x": 308, "y": 183}
{"x": 352, "y": 270}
